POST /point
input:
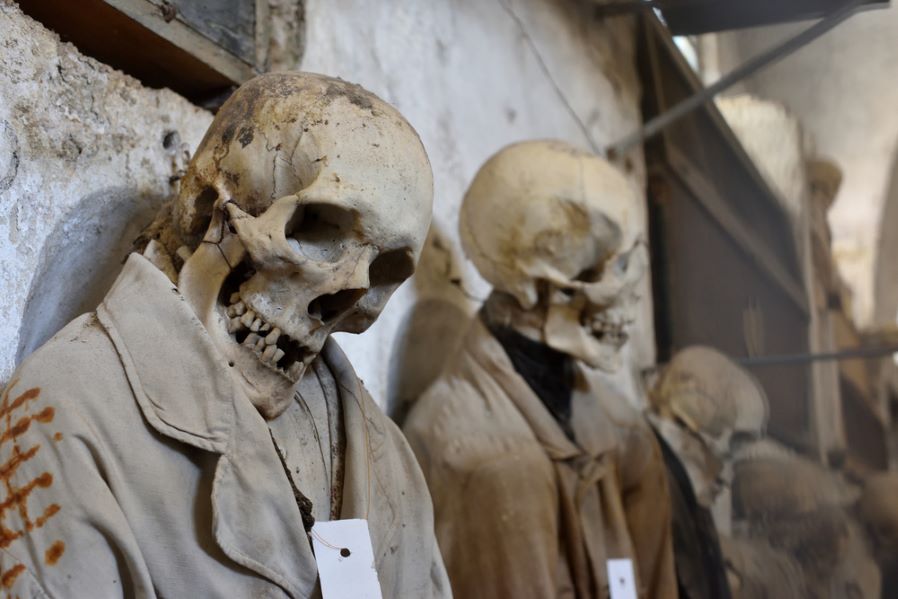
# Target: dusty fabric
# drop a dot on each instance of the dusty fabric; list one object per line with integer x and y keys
{"x": 310, "y": 435}
{"x": 760, "y": 571}
{"x": 701, "y": 569}
{"x": 133, "y": 467}
{"x": 772, "y": 481}
{"x": 521, "y": 510}
{"x": 798, "y": 507}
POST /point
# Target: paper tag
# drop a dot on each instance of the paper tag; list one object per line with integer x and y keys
{"x": 345, "y": 560}
{"x": 621, "y": 581}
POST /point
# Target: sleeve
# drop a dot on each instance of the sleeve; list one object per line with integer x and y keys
{"x": 62, "y": 533}
{"x": 648, "y": 509}
{"x": 497, "y": 526}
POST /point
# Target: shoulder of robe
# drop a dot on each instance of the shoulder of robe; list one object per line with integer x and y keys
{"x": 57, "y": 498}
{"x": 404, "y": 468}
{"x": 76, "y": 369}
{"x": 641, "y": 455}
{"x": 637, "y": 447}
{"x": 514, "y": 488}
{"x": 456, "y": 426}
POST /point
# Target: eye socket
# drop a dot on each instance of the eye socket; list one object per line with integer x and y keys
{"x": 391, "y": 268}
{"x": 589, "y": 275}
{"x": 319, "y": 231}
{"x": 202, "y": 205}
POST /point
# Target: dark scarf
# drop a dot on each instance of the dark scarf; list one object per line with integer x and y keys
{"x": 701, "y": 567}
{"x": 549, "y": 373}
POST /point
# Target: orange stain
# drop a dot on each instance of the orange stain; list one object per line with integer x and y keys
{"x": 16, "y": 430}
{"x": 52, "y": 555}
{"x": 15, "y": 421}
{"x": 9, "y": 468}
{"x": 7, "y": 408}
{"x": 8, "y": 578}
{"x": 51, "y": 511}
{"x": 46, "y": 415}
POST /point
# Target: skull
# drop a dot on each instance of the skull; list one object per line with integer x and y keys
{"x": 704, "y": 401}
{"x": 556, "y": 228}
{"x": 712, "y": 396}
{"x": 308, "y": 202}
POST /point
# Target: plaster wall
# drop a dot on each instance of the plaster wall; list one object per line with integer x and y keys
{"x": 87, "y": 154}
{"x": 473, "y": 76}
{"x": 842, "y": 89}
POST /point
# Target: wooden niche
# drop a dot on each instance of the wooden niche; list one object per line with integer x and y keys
{"x": 201, "y": 49}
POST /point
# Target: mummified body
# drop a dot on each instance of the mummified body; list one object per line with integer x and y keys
{"x": 539, "y": 473}
{"x": 703, "y": 406}
{"x": 181, "y": 440}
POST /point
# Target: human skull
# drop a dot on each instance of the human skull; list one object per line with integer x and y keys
{"x": 712, "y": 395}
{"x": 308, "y": 201}
{"x": 702, "y": 401}
{"x": 557, "y": 227}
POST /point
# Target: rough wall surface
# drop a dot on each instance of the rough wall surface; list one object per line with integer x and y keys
{"x": 842, "y": 88}
{"x": 473, "y": 76}
{"x": 86, "y": 154}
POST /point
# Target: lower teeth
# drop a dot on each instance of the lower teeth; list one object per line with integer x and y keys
{"x": 264, "y": 345}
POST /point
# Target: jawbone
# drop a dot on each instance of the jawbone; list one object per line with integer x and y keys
{"x": 597, "y": 343}
{"x": 200, "y": 282}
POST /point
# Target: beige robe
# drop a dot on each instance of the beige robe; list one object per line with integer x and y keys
{"x": 134, "y": 467}
{"x": 523, "y": 512}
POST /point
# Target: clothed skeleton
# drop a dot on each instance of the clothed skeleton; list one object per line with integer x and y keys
{"x": 540, "y": 473}
{"x": 703, "y": 404}
{"x": 181, "y": 440}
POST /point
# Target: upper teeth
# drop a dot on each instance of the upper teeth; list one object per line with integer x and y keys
{"x": 611, "y": 331}
{"x": 241, "y": 318}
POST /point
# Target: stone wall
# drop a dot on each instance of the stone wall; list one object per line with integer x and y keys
{"x": 86, "y": 156}
{"x": 86, "y": 153}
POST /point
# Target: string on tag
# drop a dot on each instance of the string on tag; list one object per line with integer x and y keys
{"x": 344, "y": 551}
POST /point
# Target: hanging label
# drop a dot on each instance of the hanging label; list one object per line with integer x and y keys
{"x": 345, "y": 560}
{"x": 621, "y": 581}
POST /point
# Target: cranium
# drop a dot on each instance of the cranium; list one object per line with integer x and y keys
{"x": 703, "y": 400}
{"x": 711, "y": 395}
{"x": 556, "y": 228}
{"x": 307, "y": 203}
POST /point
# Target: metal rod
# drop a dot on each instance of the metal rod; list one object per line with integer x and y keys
{"x": 862, "y": 353}
{"x": 663, "y": 120}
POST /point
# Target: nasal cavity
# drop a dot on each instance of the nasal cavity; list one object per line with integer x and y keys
{"x": 330, "y": 307}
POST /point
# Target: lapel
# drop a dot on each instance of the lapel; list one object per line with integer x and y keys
{"x": 185, "y": 391}
{"x": 587, "y": 480}
{"x": 368, "y": 491}
{"x": 256, "y": 520}
{"x": 490, "y": 355}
